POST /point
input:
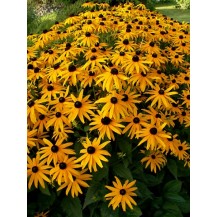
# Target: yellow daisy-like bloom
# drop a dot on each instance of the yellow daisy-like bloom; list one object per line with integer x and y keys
{"x": 34, "y": 74}
{"x": 34, "y": 108}
{"x": 50, "y": 90}
{"x": 135, "y": 124}
{"x": 89, "y": 77}
{"x": 112, "y": 78}
{"x": 130, "y": 98}
{"x": 176, "y": 59}
{"x": 58, "y": 119}
{"x": 121, "y": 194}
{"x": 65, "y": 170}
{"x": 80, "y": 107}
{"x": 114, "y": 106}
{"x": 40, "y": 124}
{"x": 180, "y": 150}
{"x": 143, "y": 80}
{"x": 94, "y": 61}
{"x": 105, "y": 126}
{"x": 70, "y": 73}
{"x": 93, "y": 154}
{"x": 79, "y": 180}
{"x": 186, "y": 98}
{"x": 155, "y": 160}
{"x": 150, "y": 47}
{"x": 125, "y": 45}
{"x": 153, "y": 134}
{"x": 88, "y": 39}
{"x": 118, "y": 57}
{"x": 136, "y": 64}
{"x": 54, "y": 152}
{"x": 42, "y": 214}
{"x": 37, "y": 171}
{"x": 161, "y": 96}
{"x": 31, "y": 140}
{"x": 187, "y": 161}
{"x": 58, "y": 103}
{"x": 156, "y": 59}
{"x": 54, "y": 72}
{"x": 49, "y": 56}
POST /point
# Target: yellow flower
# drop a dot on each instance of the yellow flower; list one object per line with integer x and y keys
{"x": 37, "y": 171}
{"x": 161, "y": 96}
{"x": 78, "y": 180}
{"x": 112, "y": 78}
{"x": 121, "y": 194}
{"x": 80, "y": 107}
{"x": 105, "y": 126}
{"x": 153, "y": 134}
{"x": 93, "y": 154}
{"x": 65, "y": 170}
{"x": 114, "y": 106}
{"x": 54, "y": 152}
{"x": 155, "y": 159}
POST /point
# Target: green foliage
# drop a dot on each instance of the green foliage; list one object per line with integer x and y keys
{"x": 184, "y": 4}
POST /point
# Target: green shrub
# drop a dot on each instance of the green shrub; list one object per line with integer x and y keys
{"x": 184, "y": 4}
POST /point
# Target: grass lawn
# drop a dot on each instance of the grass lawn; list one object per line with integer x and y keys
{"x": 169, "y": 10}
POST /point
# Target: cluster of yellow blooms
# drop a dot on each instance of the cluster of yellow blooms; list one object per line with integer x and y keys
{"x": 118, "y": 70}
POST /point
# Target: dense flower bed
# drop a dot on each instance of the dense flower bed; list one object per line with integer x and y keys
{"x": 109, "y": 114}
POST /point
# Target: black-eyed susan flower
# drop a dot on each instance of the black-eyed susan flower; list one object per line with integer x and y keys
{"x": 37, "y": 172}
{"x": 40, "y": 124}
{"x": 121, "y": 194}
{"x": 50, "y": 90}
{"x": 31, "y": 140}
{"x": 58, "y": 120}
{"x": 125, "y": 45}
{"x": 65, "y": 170}
{"x": 55, "y": 151}
{"x": 153, "y": 134}
{"x": 134, "y": 125}
{"x": 155, "y": 159}
{"x": 180, "y": 150}
{"x": 114, "y": 106}
{"x": 93, "y": 154}
{"x": 105, "y": 126}
{"x": 112, "y": 78}
{"x": 136, "y": 64}
{"x": 70, "y": 73}
{"x": 78, "y": 182}
{"x": 130, "y": 98}
{"x": 118, "y": 57}
{"x": 94, "y": 61}
{"x": 161, "y": 96}
{"x": 79, "y": 107}
{"x": 89, "y": 77}
{"x": 88, "y": 39}
{"x": 36, "y": 107}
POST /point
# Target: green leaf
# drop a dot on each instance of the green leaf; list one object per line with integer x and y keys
{"x": 106, "y": 211}
{"x": 158, "y": 213}
{"x": 155, "y": 179}
{"x": 45, "y": 190}
{"x": 71, "y": 206}
{"x": 121, "y": 171}
{"x": 94, "y": 193}
{"x": 185, "y": 206}
{"x": 136, "y": 212}
{"x": 169, "y": 206}
{"x": 143, "y": 190}
{"x": 172, "y": 167}
{"x": 45, "y": 201}
{"x": 101, "y": 173}
{"x": 86, "y": 128}
{"x": 173, "y": 186}
{"x": 173, "y": 213}
{"x": 174, "y": 197}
